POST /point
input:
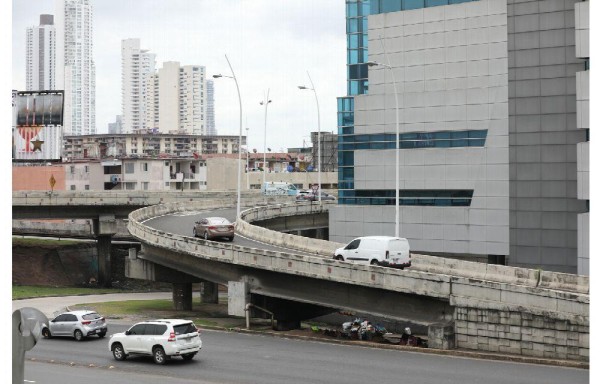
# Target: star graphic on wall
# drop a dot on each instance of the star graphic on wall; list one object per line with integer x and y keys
{"x": 37, "y": 145}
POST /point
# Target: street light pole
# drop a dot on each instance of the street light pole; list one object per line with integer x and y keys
{"x": 389, "y": 66}
{"x": 239, "y": 178}
{"x": 247, "y": 162}
{"x": 266, "y": 103}
{"x": 318, "y": 133}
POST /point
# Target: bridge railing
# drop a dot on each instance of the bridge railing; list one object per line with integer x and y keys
{"x": 426, "y": 263}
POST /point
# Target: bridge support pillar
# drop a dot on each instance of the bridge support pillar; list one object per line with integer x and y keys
{"x": 209, "y": 292}
{"x": 104, "y": 265}
{"x": 182, "y": 296}
{"x": 105, "y": 226}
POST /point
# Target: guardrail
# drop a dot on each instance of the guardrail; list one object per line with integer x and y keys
{"x": 425, "y": 263}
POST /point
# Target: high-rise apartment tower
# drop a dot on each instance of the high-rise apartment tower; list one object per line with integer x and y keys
{"x": 136, "y": 65}
{"x": 41, "y": 55}
{"x": 75, "y": 69}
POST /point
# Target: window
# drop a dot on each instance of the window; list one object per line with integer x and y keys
{"x": 130, "y": 185}
{"x": 145, "y": 185}
{"x": 87, "y": 169}
{"x": 87, "y": 187}
{"x": 139, "y": 329}
{"x": 144, "y": 167}
{"x": 353, "y": 244}
{"x": 129, "y": 168}
{"x": 72, "y": 169}
{"x": 72, "y": 187}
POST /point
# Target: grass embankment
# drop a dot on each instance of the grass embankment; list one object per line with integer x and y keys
{"x": 29, "y": 291}
{"x": 33, "y": 242}
{"x": 202, "y": 314}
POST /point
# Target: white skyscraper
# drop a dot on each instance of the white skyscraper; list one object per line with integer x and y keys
{"x": 75, "y": 69}
{"x": 136, "y": 65}
{"x": 41, "y": 55}
{"x": 175, "y": 99}
{"x": 210, "y": 108}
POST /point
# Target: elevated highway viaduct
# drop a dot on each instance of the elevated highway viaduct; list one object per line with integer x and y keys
{"x": 467, "y": 305}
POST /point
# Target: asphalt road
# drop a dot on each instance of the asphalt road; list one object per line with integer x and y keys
{"x": 182, "y": 223}
{"x": 244, "y": 358}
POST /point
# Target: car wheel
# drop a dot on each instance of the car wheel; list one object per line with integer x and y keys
{"x": 118, "y": 352}
{"x": 101, "y": 334}
{"x": 78, "y": 335}
{"x": 188, "y": 356}
{"x": 158, "y": 354}
{"x": 339, "y": 257}
{"x": 205, "y": 235}
{"x": 46, "y": 333}
{"x": 230, "y": 238}
{"x": 374, "y": 262}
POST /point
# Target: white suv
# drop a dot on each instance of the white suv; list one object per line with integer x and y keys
{"x": 161, "y": 339}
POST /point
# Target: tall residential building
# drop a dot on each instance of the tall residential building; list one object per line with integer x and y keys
{"x": 75, "y": 69}
{"x": 175, "y": 101}
{"x": 136, "y": 65}
{"x": 487, "y": 112}
{"x": 41, "y": 56}
{"x": 210, "y": 108}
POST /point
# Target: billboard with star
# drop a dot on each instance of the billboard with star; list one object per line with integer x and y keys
{"x": 38, "y": 126}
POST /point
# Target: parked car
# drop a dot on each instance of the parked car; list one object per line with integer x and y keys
{"x": 376, "y": 250}
{"x": 161, "y": 339}
{"x": 76, "y": 324}
{"x": 311, "y": 196}
{"x": 214, "y": 227}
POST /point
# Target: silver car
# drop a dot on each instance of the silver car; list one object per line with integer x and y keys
{"x": 76, "y": 324}
{"x": 214, "y": 227}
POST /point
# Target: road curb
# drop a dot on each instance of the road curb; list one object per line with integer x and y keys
{"x": 404, "y": 348}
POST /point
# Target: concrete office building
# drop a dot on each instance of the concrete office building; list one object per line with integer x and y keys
{"x": 175, "y": 101}
{"x": 210, "y": 108}
{"x": 41, "y": 56}
{"x": 75, "y": 69}
{"x": 488, "y": 129}
{"x": 582, "y": 50}
{"x": 136, "y": 65}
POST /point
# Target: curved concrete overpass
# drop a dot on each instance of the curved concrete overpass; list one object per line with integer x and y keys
{"x": 512, "y": 315}
{"x": 492, "y": 308}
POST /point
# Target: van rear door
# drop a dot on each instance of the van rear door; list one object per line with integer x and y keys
{"x": 399, "y": 251}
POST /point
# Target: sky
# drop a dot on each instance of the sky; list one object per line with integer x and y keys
{"x": 271, "y": 45}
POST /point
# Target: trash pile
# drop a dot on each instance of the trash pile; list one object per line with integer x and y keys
{"x": 362, "y": 329}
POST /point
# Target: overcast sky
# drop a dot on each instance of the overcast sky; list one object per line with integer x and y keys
{"x": 270, "y": 43}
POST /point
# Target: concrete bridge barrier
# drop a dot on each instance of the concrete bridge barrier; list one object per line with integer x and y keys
{"x": 420, "y": 262}
{"x": 515, "y": 316}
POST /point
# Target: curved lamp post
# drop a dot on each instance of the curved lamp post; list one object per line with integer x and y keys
{"x": 388, "y": 66}
{"x": 318, "y": 132}
{"x": 239, "y": 178}
{"x": 266, "y": 103}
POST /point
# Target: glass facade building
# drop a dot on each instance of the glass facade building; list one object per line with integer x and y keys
{"x": 357, "y": 12}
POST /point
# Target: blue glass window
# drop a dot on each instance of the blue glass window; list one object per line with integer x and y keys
{"x": 351, "y": 9}
{"x": 353, "y": 41}
{"x": 434, "y": 3}
{"x": 413, "y": 4}
{"x": 352, "y": 26}
{"x": 390, "y": 6}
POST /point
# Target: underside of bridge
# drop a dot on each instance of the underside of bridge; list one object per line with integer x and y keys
{"x": 290, "y": 297}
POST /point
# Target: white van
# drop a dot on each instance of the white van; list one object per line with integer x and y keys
{"x": 376, "y": 250}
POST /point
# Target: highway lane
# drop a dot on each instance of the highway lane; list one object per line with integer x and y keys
{"x": 250, "y": 358}
{"x": 182, "y": 223}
